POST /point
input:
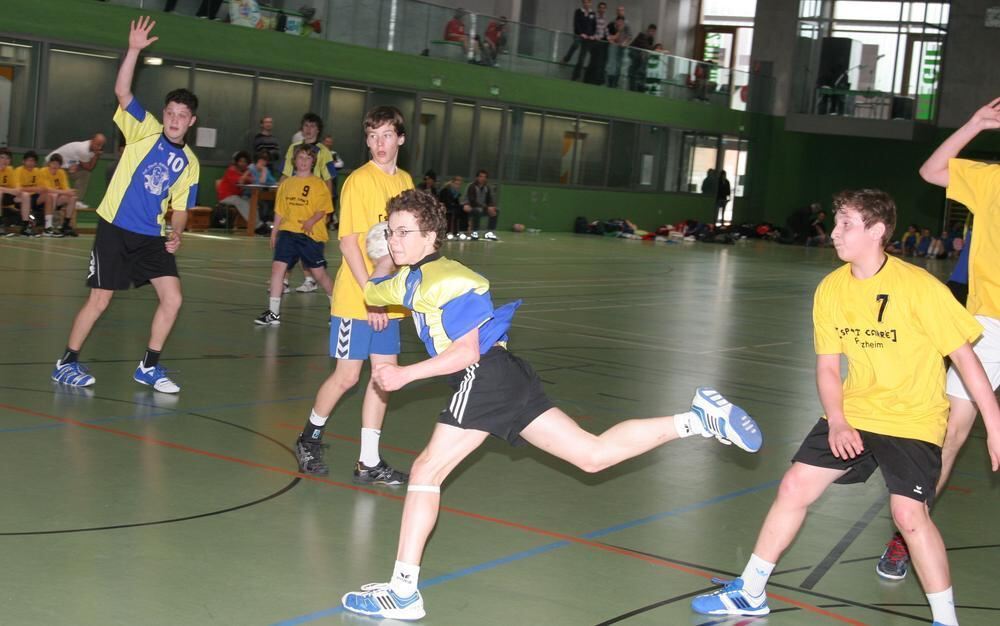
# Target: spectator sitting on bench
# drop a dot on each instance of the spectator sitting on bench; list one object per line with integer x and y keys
{"x": 10, "y": 195}
{"x": 260, "y": 174}
{"x": 229, "y": 191}
{"x": 26, "y": 176}
{"x": 58, "y": 195}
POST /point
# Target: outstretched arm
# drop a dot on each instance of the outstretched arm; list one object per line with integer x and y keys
{"x": 935, "y": 169}
{"x": 138, "y": 39}
{"x": 462, "y": 353}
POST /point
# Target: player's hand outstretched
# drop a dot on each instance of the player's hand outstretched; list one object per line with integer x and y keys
{"x": 845, "y": 441}
{"x": 987, "y": 117}
{"x": 173, "y": 242}
{"x": 389, "y": 377}
{"x": 138, "y": 33}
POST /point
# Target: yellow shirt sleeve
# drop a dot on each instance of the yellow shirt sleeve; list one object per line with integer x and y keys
{"x": 387, "y": 291}
{"x": 826, "y": 339}
{"x": 135, "y": 122}
{"x": 946, "y": 322}
{"x": 973, "y": 183}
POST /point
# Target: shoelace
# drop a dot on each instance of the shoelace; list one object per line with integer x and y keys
{"x": 897, "y": 550}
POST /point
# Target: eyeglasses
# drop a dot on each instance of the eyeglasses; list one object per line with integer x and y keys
{"x": 402, "y": 232}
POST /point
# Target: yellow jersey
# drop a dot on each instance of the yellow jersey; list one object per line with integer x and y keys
{"x": 324, "y": 167}
{"x": 27, "y": 178}
{"x": 153, "y": 175}
{"x": 977, "y": 186}
{"x": 894, "y": 328}
{"x": 59, "y": 180}
{"x": 298, "y": 199}
{"x": 8, "y": 178}
{"x": 362, "y": 205}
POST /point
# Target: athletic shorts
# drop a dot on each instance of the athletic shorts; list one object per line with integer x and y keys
{"x": 355, "y": 340}
{"x": 988, "y": 351}
{"x": 121, "y": 258}
{"x": 910, "y": 467}
{"x": 291, "y": 247}
{"x": 500, "y": 395}
{"x": 7, "y": 201}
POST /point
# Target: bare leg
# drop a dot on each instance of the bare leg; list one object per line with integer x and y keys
{"x": 278, "y": 270}
{"x": 88, "y": 315}
{"x": 800, "y": 487}
{"x": 927, "y": 550}
{"x": 168, "y": 290}
{"x": 447, "y": 448}
{"x": 559, "y": 435}
{"x": 320, "y": 276}
{"x": 345, "y": 375}
{"x": 376, "y": 401}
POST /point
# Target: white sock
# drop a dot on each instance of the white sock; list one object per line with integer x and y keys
{"x": 943, "y": 607}
{"x": 274, "y": 305}
{"x": 755, "y": 575}
{"x": 688, "y": 424}
{"x": 310, "y": 279}
{"x": 369, "y": 447}
{"x": 48, "y": 221}
{"x": 404, "y": 579}
{"x": 317, "y": 420}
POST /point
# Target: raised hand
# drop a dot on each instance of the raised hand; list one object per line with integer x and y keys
{"x": 138, "y": 33}
{"x": 988, "y": 117}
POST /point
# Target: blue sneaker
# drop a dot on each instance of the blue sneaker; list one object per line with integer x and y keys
{"x": 155, "y": 376}
{"x": 730, "y": 600}
{"x": 377, "y": 600}
{"x": 725, "y": 421}
{"x": 73, "y": 374}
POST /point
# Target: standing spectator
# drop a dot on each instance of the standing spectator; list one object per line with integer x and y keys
{"x": 454, "y": 30}
{"x": 451, "y": 197}
{"x": 637, "y": 58}
{"x": 599, "y": 47}
{"x": 208, "y": 9}
{"x": 723, "y": 191}
{"x": 710, "y": 184}
{"x": 478, "y": 200}
{"x": 79, "y": 160}
{"x": 584, "y": 27}
{"x": 656, "y": 71}
{"x": 266, "y": 141}
{"x": 619, "y": 37}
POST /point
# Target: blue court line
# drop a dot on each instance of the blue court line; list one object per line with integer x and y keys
{"x": 154, "y": 414}
{"x": 517, "y": 556}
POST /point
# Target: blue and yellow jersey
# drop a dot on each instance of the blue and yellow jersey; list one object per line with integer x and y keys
{"x": 324, "y": 167}
{"x": 447, "y": 299}
{"x": 8, "y": 178}
{"x": 27, "y": 178}
{"x": 59, "y": 180}
{"x": 154, "y": 174}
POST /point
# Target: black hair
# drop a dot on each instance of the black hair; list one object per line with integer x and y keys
{"x": 30, "y": 154}
{"x": 183, "y": 96}
{"x": 242, "y": 154}
{"x": 55, "y": 156}
{"x": 5, "y": 150}
{"x": 315, "y": 119}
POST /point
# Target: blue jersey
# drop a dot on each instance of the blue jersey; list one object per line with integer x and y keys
{"x": 154, "y": 175}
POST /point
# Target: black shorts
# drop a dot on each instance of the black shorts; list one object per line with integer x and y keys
{"x": 291, "y": 247}
{"x": 501, "y": 395}
{"x": 7, "y": 201}
{"x": 121, "y": 258}
{"x": 910, "y": 467}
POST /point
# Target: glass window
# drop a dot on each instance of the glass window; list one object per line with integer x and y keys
{"x": 223, "y": 104}
{"x": 153, "y": 82}
{"x": 522, "y": 150}
{"x": 284, "y": 101}
{"x": 460, "y": 139}
{"x": 429, "y": 145}
{"x": 70, "y": 117}
{"x": 592, "y": 144}
{"x": 622, "y": 155}
{"x": 403, "y": 101}
{"x": 698, "y": 155}
{"x": 558, "y": 141}
{"x": 18, "y": 76}
{"x": 344, "y": 117}
{"x": 487, "y": 155}
{"x": 652, "y": 144}
{"x": 672, "y": 161}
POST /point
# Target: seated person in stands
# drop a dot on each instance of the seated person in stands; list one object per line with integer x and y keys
{"x": 939, "y": 246}
{"x": 58, "y": 195}
{"x": 454, "y": 30}
{"x": 260, "y": 174}
{"x": 451, "y": 197}
{"x": 479, "y": 200}
{"x": 229, "y": 191}
{"x": 494, "y": 41}
{"x": 27, "y": 181}
{"x": 429, "y": 183}
{"x": 818, "y": 236}
{"x": 10, "y": 196}
{"x": 800, "y": 221}
{"x": 910, "y": 239}
{"x": 924, "y": 243}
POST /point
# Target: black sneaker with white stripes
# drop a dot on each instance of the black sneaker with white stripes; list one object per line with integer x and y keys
{"x": 381, "y": 474}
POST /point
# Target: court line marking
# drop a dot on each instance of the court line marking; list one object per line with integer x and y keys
{"x": 845, "y": 542}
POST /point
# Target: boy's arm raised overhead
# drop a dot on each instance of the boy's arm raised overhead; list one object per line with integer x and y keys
{"x": 138, "y": 39}
{"x": 935, "y": 169}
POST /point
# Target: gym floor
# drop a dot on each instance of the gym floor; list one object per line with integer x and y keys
{"x": 127, "y": 506}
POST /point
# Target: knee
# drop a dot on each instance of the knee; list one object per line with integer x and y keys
{"x": 345, "y": 380}
{"x": 909, "y": 515}
{"x": 426, "y": 471}
{"x": 172, "y": 301}
{"x": 99, "y": 300}
{"x": 793, "y": 490}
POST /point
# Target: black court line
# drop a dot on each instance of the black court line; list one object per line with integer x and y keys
{"x": 845, "y": 542}
{"x": 843, "y": 601}
{"x": 655, "y": 605}
{"x": 611, "y": 395}
{"x": 985, "y": 546}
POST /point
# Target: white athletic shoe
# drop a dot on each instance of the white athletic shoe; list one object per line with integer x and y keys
{"x": 490, "y": 236}
{"x": 156, "y": 377}
{"x": 377, "y": 600}
{"x": 307, "y": 286}
{"x": 725, "y": 421}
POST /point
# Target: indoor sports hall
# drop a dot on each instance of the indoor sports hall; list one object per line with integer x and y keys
{"x": 124, "y": 505}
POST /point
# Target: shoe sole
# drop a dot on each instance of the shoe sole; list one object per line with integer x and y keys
{"x": 153, "y": 385}
{"x": 362, "y": 481}
{"x": 746, "y": 613}
{"x": 56, "y": 380}
{"x": 882, "y": 574}
{"x": 260, "y": 323}
{"x": 740, "y": 428}
{"x": 381, "y": 614}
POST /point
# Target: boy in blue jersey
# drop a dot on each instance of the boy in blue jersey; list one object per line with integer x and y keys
{"x": 157, "y": 171}
{"x": 496, "y": 393}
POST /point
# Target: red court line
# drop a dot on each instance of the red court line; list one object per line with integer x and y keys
{"x": 494, "y": 520}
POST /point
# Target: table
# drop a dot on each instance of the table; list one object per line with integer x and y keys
{"x": 257, "y": 193}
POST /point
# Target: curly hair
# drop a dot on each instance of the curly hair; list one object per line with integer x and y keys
{"x": 874, "y": 205}
{"x": 428, "y": 211}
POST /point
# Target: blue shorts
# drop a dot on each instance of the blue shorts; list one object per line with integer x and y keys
{"x": 354, "y": 340}
{"x": 291, "y": 247}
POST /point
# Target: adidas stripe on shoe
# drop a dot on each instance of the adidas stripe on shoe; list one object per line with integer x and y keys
{"x": 73, "y": 374}
{"x": 377, "y": 600}
{"x": 725, "y": 421}
{"x": 730, "y": 600}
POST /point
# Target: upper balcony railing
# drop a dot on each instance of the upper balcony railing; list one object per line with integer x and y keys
{"x": 415, "y": 27}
